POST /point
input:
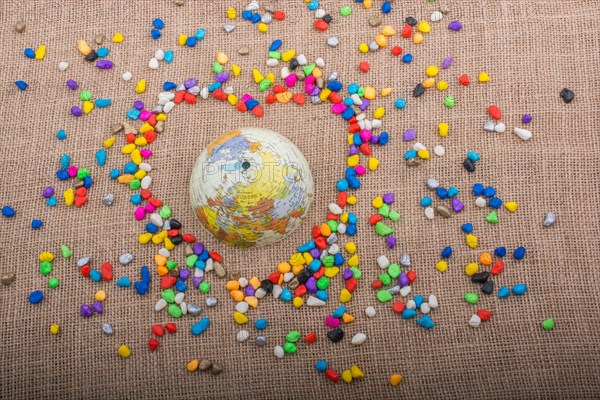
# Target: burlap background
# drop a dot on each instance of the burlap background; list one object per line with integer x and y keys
{"x": 531, "y": 49}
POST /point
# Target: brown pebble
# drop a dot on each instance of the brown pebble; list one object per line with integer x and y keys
{"x": 99, "y": 39}
{"x": 78, "y": 185}
{"x": 205, "y": 364}
{"x": 413, "y": 162}
{"x": 269, "y": 8}
{"x": 159, "y": 127}
{"x": 293, "y": 284}
{"x": 374, "y": 21}
{"x": 188, "y": 250}
{"x": 243, "y": 51}
{"x": 444, "y": 9}
{"x": 20, "y": 26}
{"x": 179, "y": 2}
{"x": 128, "y": 128}
{"x": 8, "y": 278}
{"x": 174, "y": 272}
{"x": 116, "y": 128}
{"x": 216, "y": 369}
{"x": 320, "y": 83}
{"x": 300, "y": 75}
{"x": 219, "y": 270}
{"x": 443, "y": 211}
{"x": 235, "y": 275}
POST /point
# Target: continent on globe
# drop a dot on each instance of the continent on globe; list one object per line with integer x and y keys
{"x": 251, "y": 187}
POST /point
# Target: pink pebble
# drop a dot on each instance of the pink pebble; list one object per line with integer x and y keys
{"x": 246, "y": 97}
{"x": 139, "y": 213}
{"x": 309, "y": 80}
{"x": 360, "y": 169}
{"x": 365, "y": 135}
{"x": 338, "y": 108}
{"x": 291, "y": 80}
{"x": 149, "y": 208}
{"x": 332, "y": 322}
{"x": 309, "y": 88}
{"x": 72, "y": 171}
{"x": 146, "y": 153}
{"x": 145, "y": 114}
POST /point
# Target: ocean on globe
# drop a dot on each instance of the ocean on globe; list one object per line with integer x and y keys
{"x": 251, "y": 187}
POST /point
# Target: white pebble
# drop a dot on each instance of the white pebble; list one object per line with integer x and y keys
{"x": 411, "y": 305}
{"x": 153, "y": 63}
{"x": 107, "y": 329}
{"x": 489, "y": 126}
{"x": 260, "y": 293}
{"x": 204, "y": 93}
{"x": 272, "y": 62}
{"x": 209, "y": 265}
{"x": 383, "y": 262}
{"x": 336, "y": 209}
{"x": 168, "y": 107}
{"x": 550, "y": 219}
{"x": 156, "y": 219}
{"x": 433, "y": 301}
{"x": 376, "y": 123}
{"x": 433, "y": 183}
{"x": 243, "y": 282}
{"x": 242, "y": 336}
{"x": 429, "y": 213}
{"x": 313, "y": 301}
{"x": 277, "y": 290}
{"x": 439, "y": 151}
{"x": 480, "y": 202}
{"x": 333, "y": 249}
{"x": 359, "y": 339}
{"x": 159, "y": 55}
{"x": 333, "y": 41}
{"x": 145, "y": 166}
{"x": 242, "y": 307}
{"x": 279, "y": 353}
{"x": 127, "y": 76}
{"x": 288, "y": 276}
{"x": 253, "y": 6}
{"x": 405, "y": 291}
{"x": 373, "y": 46}
{"x": 475, "y": 321}
{"x": 164, "y": 252}
{"x": 63, "y": 65}
{"x": 160, "y": 304}
{"x": 523, "y": 133}
{"x": 425, "y": 308}
{"x": 146, "y": 181}
{"x": 500, "y": 127}
{"x": 405, "y": 260}
{"x": 419, "y": 146}
{"x": 320, "y": 13}
{"x": 302, "y": 59}
{"x": 229, "y": 27}
{"x": 436, "y": 16}
{"x": 266, "y": 18}
{"x": 370, "y": 311}
{"x": 341, "y": 228}
{"x": 285, "y": 72}
{"x": 179, "y": 297}
{"x": 198, "y": 273}
{"x": 184, "y": 308}
{"x": 320, "y": 62}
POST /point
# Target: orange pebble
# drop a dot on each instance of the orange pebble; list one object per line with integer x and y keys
{"x": 485, "y": 259}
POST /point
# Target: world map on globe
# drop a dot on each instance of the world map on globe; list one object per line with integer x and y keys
{"x": 251, "y": 187}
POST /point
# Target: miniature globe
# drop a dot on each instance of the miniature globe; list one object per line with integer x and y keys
{"x": 251, "y": 187}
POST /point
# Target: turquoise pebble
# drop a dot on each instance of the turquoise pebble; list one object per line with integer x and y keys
{"x": 321, "y": 365}
{"x": 101, "y": 103}
{"x": 519, "y": 289}
{"x": 260, "y": 324}
{"x": 426, "y": 201}
{"x": 200, "y": 326}
{"x": 200, "y": 33}
{"x": 342, "y": 185}
{"x": 136, "y": 199}
{"x": 452, "y": 191}
{"x": 133, "y": 114}
{"x": 286, "y": 295}
{"x": 353, "y": 89}
{"x": 339, "y": 312}
{"x": 115, "y": 173}
{"x": 418, "y": 299}
{"x": 124, "y": 282}
{"x": 101, "y": 157}
{"x": 65, "y": 161}
{"x": 169, "y": 56}
{"x": 519, "y": 253}
{"x": 51, "y": 201}
{"x": 408, "y": 314}
{"x": 95, "y": 275}
{"x": 473, "y": 155}
{"x": 36, "y": 296}
{"x": 322, "y": 295}
{"x": 102, "y": 52}
{"x": 503, "y": 292}
{"x": 61, "y": 134}
{"x": 313, "y": 5}
{"x": 400, "y": 103}
{"x": 426, "y": 322}
{"x": 410, "y": 154}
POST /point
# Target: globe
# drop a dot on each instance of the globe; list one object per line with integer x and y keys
{"x": 251, "y": 187}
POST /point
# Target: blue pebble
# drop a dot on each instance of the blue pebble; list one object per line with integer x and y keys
{"x": 335, "y": 86}
{"x": 141, "y": 287}
{"x": 322, "y": 295}
{"x": 489, "y": 191}
{"x": 21, "y": 85}
{"x": 348, "y": 101}
{"x": 351, "y": 230}
{"x": 286, "y": 295}
{"x": 342, "y": 185}
{"x": 495, "y": 202}
{"x": 36, "y": 224}
{"x": 133, "y": 114}
{"x": 452, "y": 191}
{"x": 442, "y": 193}
{"x": 167, "y": 86}
{"x": 246, "y": 14}
{"x": 101, "y": 103}
{"x": 407, "y": 58}
{"x": 115, "y": 173}
{"x": 339, "y": 312}
{"x": 51, "y": 201}
{"x": 338, "y": 258}
{"x": 348, "y": 113}
{"x": 519, "y": 289}
{"x": 204, "y": 255}
{"x": 180, "y": 285}
{"x": 410, "y": 154}
{"x": 250, "y": 104}
{"x": 124, "y": 282}
{"x": 400, "y": 103}
{"x": 306, "y": 246}
{"x": 352, "y": 218}
{"x": 467, "y": 228}
{"x": 473, "y": 156}
{"x": 261, "y": 324}
{"x": 519, "y": 253}
{"x": 145, "y": 273}
{"x": 354, "y": 183}
{"x": 65, "y": 161}
{"x": 191, "y": 41}
{"x": 62, "y": 175}
{"x": 102, "y": 52}
{"x": 386, "y": 7}
{"x": 314, "y": 265}
{"x": 321, "y": 366}
{"x": 61, "y": 134}
{"x": 200, "y": 33}
{"x": 29, "y": 52}
{"x": 313, "y": 5}
{"x": 36, "y": 296}
{"x": 101, "y": 157}
{"x": 500, "y": 251}
{"x": 503, "y": 292}
{"x": 155, "y": 34}
{"x": 356, "y": 140}
{"x": 8, "y": 211}
{"x": 169, "y": 57}
{"x": 353, "y": 88}
{"x": 408, "y": 314}
{"x": 130, "y": 168}
{"x": 200, "y": 264}
{"x": 200, "y": 326}
{"x": 426, "y": 201}
{"x": 478, "y": 189}
{"x": 384, "y": 138}
{"x": 275, "y": 45}
{"x": 150, "y": 227}
{"x": 87, "y": 182}
{"x": 418, "y": 299}
{"x": 158, "y": 23}
{"x": 426, "y": 322}
{"x": 255, "y": 18}
{"x": 447, "y": 252}
{"x": 95, "y": 275}
{"x": 217, "y": 85}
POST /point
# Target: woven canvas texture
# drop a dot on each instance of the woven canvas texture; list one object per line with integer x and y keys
{"x": 531, "y": 50}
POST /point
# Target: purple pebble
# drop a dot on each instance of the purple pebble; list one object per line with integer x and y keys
{"x": 104, "y": 64}
{"x": 353, "y": 150}
{"x": 527, "y": 118}
{"x": 403, "y": 279}
{"x": 311, "y": 284}
{"x": 455, "y": 25}
{"x": 48, "y": 192}
{"x": 76, "y": 111}
{"x": 409, "y": 134}
{"x": 457, "y": 205}
{"x": 314, "y": 253}
{"x": 198, "y": 248}
{"x": 391, "y": 241}
{"x": 388, "y": 198}
{"x": 315, "y": 91}
{"x": 222, "y": 77}
{"x": 447, "y": 62}
{"x": 365, "y": 104}
{"x": 249, "y": 290}
{"x": 348, "y": 273}
{"x": 72, "y": 84}
{"x": 138, "y": 104}
{"x": 184, "y": 274}
{"x": 86, "y": 311}
{"x": 196, "y": 281}
{"x": 374, "y": 139}
{"x": 191, "y": 82}
{"x": 98, "y": 307}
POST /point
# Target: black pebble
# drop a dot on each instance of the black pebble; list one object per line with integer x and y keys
{"x": 304, "y": 275}
{"x": 469, "y": 165}
{"x": 480, "y": 277}
{"x": 567, "y": 95}
{"x": 92, "y": 56}
{"x": 327, "y": 18}
{"x": 488, "y": 287}
{"x": 176, "y": 239}
{"x": 412, "y": 21}
{"x": 335, "y": 335}
{"x": 419, "y": 90}
{"x": 174, "y": 224}
{"x": 294, "y": 63}
{"x": 267, "y": 285}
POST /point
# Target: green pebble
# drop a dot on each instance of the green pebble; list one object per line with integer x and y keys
{"x": 168, "y": 295}
{"x": 548, "y": 324}
{"x": 165, "y": 212}
{"x": 345, "y": 11}
{"x": 45, "y": 267}
{"x": 191, "y": 260}
{"x": 53, "y": 283}
{"x": 356, "y": 273}
{"x": 394, "y": 215}
{"x": 385, "y": 279}
{"x": 394, "y": 270}
{"x": 204, "y": 287}
{"x": 65, "y": 251}
{"x": 275, "y": 55}
{"x": 293, "y": 336}
{"x": 323, "y": 283}
{"x": 333, "y": 225}
{"x": 135, "y": 184}
{"x": 384, "y": 296}
{"x": 264, "y": 85}
{"x": 361, "y": 92}
{"x": 382, "y": 229}
{"x": 449, "y": 102}
{"x": 174, "y": 311}
{"x": 85, "y": 95}
{"x": 171, "y": 264}
{"x": 82, "y": 173}
{"x": 492, "y": 217}
{"x": 308, "y": 69}
{"x": 328, "y": 261}
{"x": 471, "y": 298}
{"x": 290, "y": 348}
{"x": 384, "y": 210}
{"x": 217, "y": 68}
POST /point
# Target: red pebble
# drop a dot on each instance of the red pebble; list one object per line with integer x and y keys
{"x": 167, "y": 281}
{"x": 406, "y": 31}
{"x": 342, "y": 199}
{"x": 152, "y": 344}
{"x": 155, "y": 202}
{"x": 171, "y": 327}
{"x": 299, "y": 98}
{"x": 274, "y": 277}
{"x": 152, "y": 120}
{"x": 145, "y": 193}
{"x": 464, "y": 80}
{"x": 179, "y": 96}
{"x": 316, "y": 231}
{"x": 364, "y": 66}
{"x": 351, "y": 284}
{"x": 279, "y": 89}
{"x": 365, "y": 149}
{"x": 497, "y": 267}
{"x": 377, "y": 284}
{"x": 173, "y": 232}
{"x": 189, "y": 238}
{"x": 130, "y": 137}
{"x": 398, "y": 307}
{"x": 258, "y": 111}
{"x": 219, "y": 95}
{"x": 352, "y": 120}
{"x": 335, "y": 98}
{"x": 81, "y": 200}
{"x": 396, "y": 50}
{"x": 411, "y": 275}
{"x": 485, "y": 315}
{"x": 374, "y": 219}
{"x": 331, "y": 217}
{"x": 279, "y": 15}
{"x": 150, "y": 136}
{"x": 158, "y": 330}
{"x": 241, "y": 106}
{"x": 320, "y": 272}
{"x": 300, "y": 291}
{"x": 332, "y": 375}
{"x": 495, "y": 112}
{"x": 85, "y": 271}
{"x": 270, "y": 99}
{"x": 215, "y": 256}
{"x": 321, "y": 25}
{"x": 321, "y": 242}
{"x": 354, "y": 127}
{"x": 106, "y": 271}
{"x": 81, "y": 191}
{"x": 310, "y": 338}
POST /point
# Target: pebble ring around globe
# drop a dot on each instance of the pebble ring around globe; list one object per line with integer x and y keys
{"x": 251, "y": 187}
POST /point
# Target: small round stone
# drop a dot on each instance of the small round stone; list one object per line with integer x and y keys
{"x": 8, "y": 278}
{"x": 211, "y": 301}
{"x": 374, "y": 21}
{"x": 243, "y": 51}
{"x": 550, "y": 219}
{"x": 567, "y": 95}
{"x": 261, "y": 340}
{"x": 107, "y": 329}
{"x": 333, "y": 41}
{"x": 370, "y": 312}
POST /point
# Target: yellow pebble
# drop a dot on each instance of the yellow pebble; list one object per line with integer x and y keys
{"x": 298, "y": 302}
{"x": 83, "y": 47}
{"x": 240, "y": 318}
{"x": 331, "y": 272}
{"x": 344, "y": 218}
{"x": 222, "y": 58}
{"x": 317, "y": 73}
{"x": 307, "y": 257}
{"x": 125, "y": 179}
{"x": 418, "y": 38}
{"x": 100, "y": 295}
{"x": 484, "y": 77}
{"x": 443, "y": 129}
{"x": 379, "y": 113}
{"x": 136, "y": 156}
{"x": 161, "y": 117}
{"x": 395, "y": 379}
{"x": 387, "y": 30}
{"x": 54, "y": 329}
{"x": 236, "y": 69}
{"x": 140, "y": 141}
{"x": 345, "y": 296}
{"x": 124, "y": 351}
{"x": 363, "y": 48}
{"x": 168, "y": 243}
{"x": 231, "y": 14}
{"x": 258, "y": 77}
{"x": 40, "y": 52}
{"x": 351, "y": 138}
{"x": 347, "y": 376}
{"x": 157, "y": 239}
{"x": 181, "y": 39}
{"x": 232, "y": 285}
{"x": 144, "y": 238}
{"x": 351, "y": 200}
{"x": 252, "y": 301}
{"x": 370, "y": 93}
{"x": 381, "y": 40}
{"x": 511, "y": 206}
{"x": 353, "y": 160}
{"x": 367, "y": 4}
{"x": 288, "y": 55}
{"x": 353, "y": 261}
{"x": 441, "y": 266}
{"x": 423, "y": 154}
{"x": 386, "y": 92}
{"x": 324, "y": 94}
{"x": 373, "y": 163}
{"x": 377, "y": 202}
{"x": 297, "y": 259}
{"x": 87, "y": 107}
{"x": 442, "y": 85}
{"x": 432, "y": 71}
{"x": 192, "y": 365}
{"x": 356, "y": 372}
{"x": 254, "y": 282}
{"x": 46, "y": 256}
{"x": 232, "y": 99}
{"x": 109, "y": 142}
{"x": 118, "y": 38}
{"x": 471, "y": 241}
{"x": 69, "y": 196}
{"x": 471, "y": 269}
{"x": 262, "y": 27}
{"x": 429, "y": 83}
{"x": 141, "y": 86}
{"x": 347, "y": 318}
{"x": 284, "y": 267}
{"x": 424, "y": 27}
{"x": 350, "y": 247}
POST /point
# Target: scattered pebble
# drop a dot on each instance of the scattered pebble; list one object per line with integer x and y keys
{"x": 550, "y": 219}
{"x": 20, "y": 27}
